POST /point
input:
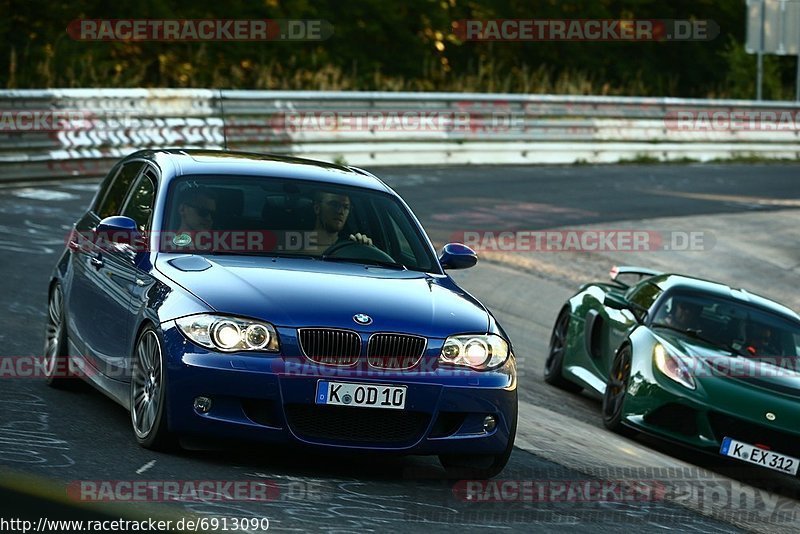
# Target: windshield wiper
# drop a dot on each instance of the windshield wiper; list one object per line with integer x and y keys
{"x": 696, "y": 334}
{"x": 379, "y": 263}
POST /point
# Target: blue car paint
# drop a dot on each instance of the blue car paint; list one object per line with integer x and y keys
{"x": 290, "y": 293}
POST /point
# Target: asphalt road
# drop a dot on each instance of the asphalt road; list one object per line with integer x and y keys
{"x": 80, "y": 435}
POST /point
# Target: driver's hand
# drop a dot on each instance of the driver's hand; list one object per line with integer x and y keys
{"x": 361, "y": 238}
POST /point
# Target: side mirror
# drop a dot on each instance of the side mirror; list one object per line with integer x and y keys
{"x": 618, "y": 302}
{"x": 457, "y": 256}
{"x": 119, "y": 230}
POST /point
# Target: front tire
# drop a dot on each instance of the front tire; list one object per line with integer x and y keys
{"x": 148, "y": 397}
{"x": 616, "y": 390}
{"x": 554, "y": 364}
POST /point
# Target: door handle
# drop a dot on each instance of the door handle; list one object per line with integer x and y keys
{"x": 140, "y": 282}
{"x": 96, "y": 261}
{"x": 73, "y": 245}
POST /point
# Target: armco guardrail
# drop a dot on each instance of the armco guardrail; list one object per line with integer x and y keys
{"x": 79, "y": 132}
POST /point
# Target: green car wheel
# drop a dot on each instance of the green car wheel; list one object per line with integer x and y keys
{"x": 616, "y": 389}
{"x": 555, "y": 358}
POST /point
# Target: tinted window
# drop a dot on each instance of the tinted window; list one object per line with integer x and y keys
{"x": 103, "y": 191}
{"x": 139, "y": 206}
{"x": 225, "y": 214}
{"x": 644, "y": 295}
{"x": 112, "y": 202}
{"x": 749, "y": 330}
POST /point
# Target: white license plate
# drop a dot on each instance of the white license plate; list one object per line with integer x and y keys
{"x": 755, "y": 455}
{"x": 364, "y": 395}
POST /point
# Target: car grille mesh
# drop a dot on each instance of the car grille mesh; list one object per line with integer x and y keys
{"x": 356, "y": 425}
{"x": 395, "y": 351}
{"x": 329, "y": 346}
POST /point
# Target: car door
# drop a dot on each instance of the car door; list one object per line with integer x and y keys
{"x": 89, "y": 325}
{"x": 622, "y": 322}
{"x": 74, "y": 280}
{"x": 120, "y": 281}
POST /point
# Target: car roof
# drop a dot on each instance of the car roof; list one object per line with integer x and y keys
{"x": 682, "y": 282}
{"x": 175, "y": 163}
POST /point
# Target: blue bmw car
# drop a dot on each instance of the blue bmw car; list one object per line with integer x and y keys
{"x": 274, "y": 299}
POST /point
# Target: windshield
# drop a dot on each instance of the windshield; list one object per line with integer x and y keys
{"x": 211, "y": 215}
{"x": 745, "y": 329}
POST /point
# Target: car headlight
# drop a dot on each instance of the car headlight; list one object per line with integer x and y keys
{"x": 479, "y": 352}
{"x": 229, "y": 334}
{"x": 672, "y": 366}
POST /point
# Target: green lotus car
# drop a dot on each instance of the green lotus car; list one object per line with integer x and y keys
{"x": 688, "y": 360}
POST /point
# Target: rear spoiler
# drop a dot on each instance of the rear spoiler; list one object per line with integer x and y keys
{"x": 620, "y": 270}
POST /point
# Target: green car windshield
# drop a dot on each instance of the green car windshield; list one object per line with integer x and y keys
{"x": 748, "y": 330}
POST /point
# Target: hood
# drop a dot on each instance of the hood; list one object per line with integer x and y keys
{"x": 295, "y": 292}
{"x": 779, "y": 375}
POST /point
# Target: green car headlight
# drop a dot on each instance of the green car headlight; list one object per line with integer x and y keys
{"x": 672, "y": 366}
{"x": 229, "y": 334}
{"x": 480, "y": 352}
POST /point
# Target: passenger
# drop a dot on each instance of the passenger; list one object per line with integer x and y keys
{"x": 197, "y": 208}
{"x": 761, "y": 341}
{"x": 683, "y": 314}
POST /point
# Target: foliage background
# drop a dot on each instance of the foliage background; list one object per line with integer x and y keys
{"x": 388, "y": 45}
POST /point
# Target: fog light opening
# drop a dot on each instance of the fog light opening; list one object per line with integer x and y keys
{"x": 489, "y": 423}
{"x": 202, "y": 404}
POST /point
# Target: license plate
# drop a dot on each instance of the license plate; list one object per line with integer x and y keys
{"x": 363, "y": 395}
{"x": 755, "y": 455}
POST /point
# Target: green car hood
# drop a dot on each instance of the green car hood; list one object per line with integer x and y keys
{"x": 778, "y": 375}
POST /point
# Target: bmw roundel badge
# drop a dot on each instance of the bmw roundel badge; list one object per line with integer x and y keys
{"x": 362, "y": 318}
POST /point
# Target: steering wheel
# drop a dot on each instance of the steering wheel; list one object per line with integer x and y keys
{"x": 365, "y": 252}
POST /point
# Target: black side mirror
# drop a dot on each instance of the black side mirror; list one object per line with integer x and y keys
{"x": 457, "y": 256}
{"x": 618, "y": 302}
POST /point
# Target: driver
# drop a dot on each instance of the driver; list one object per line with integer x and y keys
{"x": 331, "y": 211}
{"x": 683, "y": 314}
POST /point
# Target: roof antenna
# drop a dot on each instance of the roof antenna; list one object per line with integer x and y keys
{"x": 224, "y": 127}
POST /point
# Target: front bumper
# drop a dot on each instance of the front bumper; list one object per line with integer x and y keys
{"x": 272, "y": 399}
{"x": 719, "y": 407}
